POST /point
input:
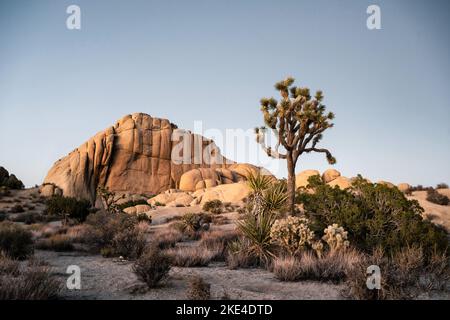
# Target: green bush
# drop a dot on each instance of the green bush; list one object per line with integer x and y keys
{"x": 15, "y": 241}
{"x": 442, "y": 186}
{"x": 68, "y": 208}
{"x": 373, "y": 214}
{"x": 437, "y": 198}
{"x": 9, "y": 181}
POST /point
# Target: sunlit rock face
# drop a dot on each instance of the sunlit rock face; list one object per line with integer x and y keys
{"x": 138, "y": 155}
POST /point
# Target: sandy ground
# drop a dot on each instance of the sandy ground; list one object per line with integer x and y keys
{"x": 436, "y": 213}
{"x": 104, "y": 278}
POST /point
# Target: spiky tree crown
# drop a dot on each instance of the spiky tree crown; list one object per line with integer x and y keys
{"x": 298, "y": 120}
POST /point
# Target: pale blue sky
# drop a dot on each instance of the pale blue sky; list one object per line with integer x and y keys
{"x": 213, "y": 60}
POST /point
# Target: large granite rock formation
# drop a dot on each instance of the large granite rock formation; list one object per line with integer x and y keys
{"x": 139, "y": 154}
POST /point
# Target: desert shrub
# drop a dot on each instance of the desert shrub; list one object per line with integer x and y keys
{"x": 143, "y": 217}
{"x": 292, "y": 234}
{"x": 68, "y": 208}
{"x": 442, "y": 186}
{"x": 239, "y": 255}
{"x": 57, "y": 242}
{"x": 437, "y": 198}
{"x": 131, "y": 203}
{"x": 15, "y": 241}
{"x": 26, "y": 218}
{"x": 32, "y": 282}
{"x": 214, "y": 206}
{"x": 129, "y": 243}
{"x": 336, "y": 237}
{"x": 159, "y": 204}
{"x": 29, "y": 206}
{"x": 167, "y": 238}
{"x": 191, "y": 256}
{"x": 116, "y": 232}
{"x": 373, "y": 214}
{"x": 110, "y": 200}
{"x": 198, "y": 289}
{"x": 4, "y": 191}
{"x": 152, "y": 267}
{"x": 17, "y": 208}
{"x": 192, "y": 224}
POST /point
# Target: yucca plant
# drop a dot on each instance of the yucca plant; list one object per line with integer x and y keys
{"x": 275, "y": 197}
{"x": 258, "y": 183}
{"x": 256, "y": 229}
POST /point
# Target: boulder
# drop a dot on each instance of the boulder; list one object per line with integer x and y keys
{"x": 50, "y": 190}
{"x": 301, "y": 179}
{"x": 172, "y": 197}
{"x": 353, "y": 179}
{"x": 330, "y": 174}
{"x": 233, "y": 192}
{"x": 386, "y": 183}
{"x": 199, "y": 178}
{"x": 242, "y": 171}
{"x": 181, "y": 200}
{"x": 403, "y": 187}
{"x": 341, "y": 182}
{"x": 138, "y": 155}
{"x": 138, "y": 209}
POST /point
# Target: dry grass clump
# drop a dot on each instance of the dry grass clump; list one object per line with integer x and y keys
{"x": 167, "y": 238}
{"x": 15, "y": 241}
{"x": 217, "y": 241}
{"x": 198, "y": 289}
{"x": 239, "y": 255}
{"x": 57, "y": 242}
{"x": 9, "y": 266}
{"x": 31, "y": 282}
{"x": 404, "y": 274}
{"x": 192, "y": 256}
{"x": 332, "y": 266}
{"x": 152, "y": 267}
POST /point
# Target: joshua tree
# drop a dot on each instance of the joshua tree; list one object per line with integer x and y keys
{"x": 298, "y": 121}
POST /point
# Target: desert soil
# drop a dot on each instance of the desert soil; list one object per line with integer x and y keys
{"x": 104, "y": 278}
{"x": 108, "y": 278}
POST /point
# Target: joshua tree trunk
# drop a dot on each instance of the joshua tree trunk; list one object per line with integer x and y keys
{"x": 291, "y": 182}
